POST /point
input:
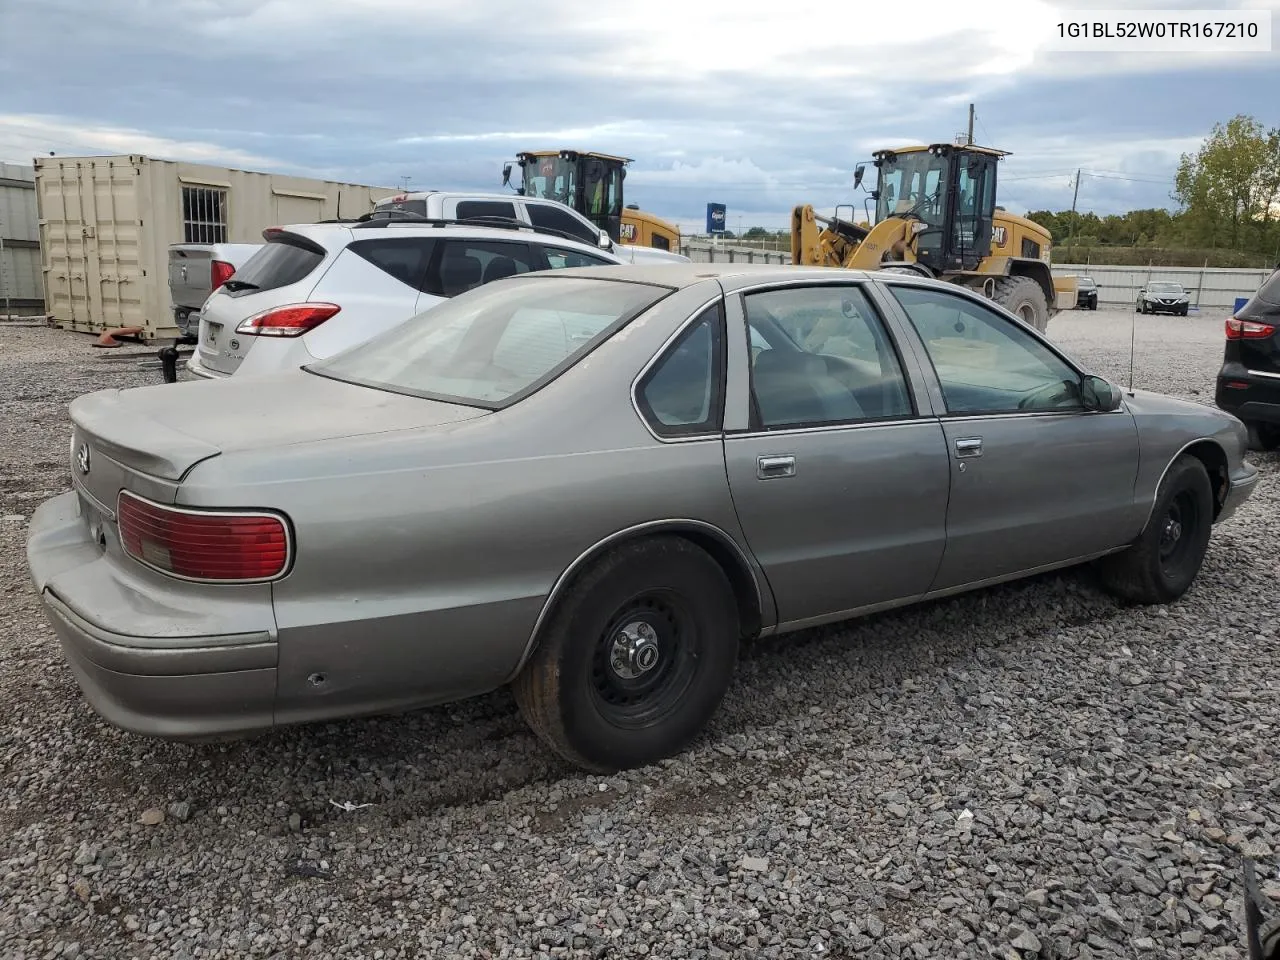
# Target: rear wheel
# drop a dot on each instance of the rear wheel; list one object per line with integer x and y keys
{"x": 1264, "y": 436}
{"x": 1161, "y": 565}
{"x": 1023, "y": 297}
{"x": 635, "y": 659}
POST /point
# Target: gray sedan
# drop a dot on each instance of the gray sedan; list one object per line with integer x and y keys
{"x": 592, "y": 485}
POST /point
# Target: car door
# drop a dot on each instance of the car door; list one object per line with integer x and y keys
{"x": 1036, "y": 479}
{"x": 377, "y": 282}
{"x": 838, "y": 469}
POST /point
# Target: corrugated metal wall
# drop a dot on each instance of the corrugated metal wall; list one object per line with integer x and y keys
{"x": 21, "y": 286}
{"x": 1211, "y": 288}
{"x": 107, "y": 223}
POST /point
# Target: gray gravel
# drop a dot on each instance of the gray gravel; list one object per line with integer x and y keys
{"x": 1030, "y": 771}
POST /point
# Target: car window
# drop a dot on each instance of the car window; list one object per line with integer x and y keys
{"x": 486, "y": 208}
{"x": 405, "y": 258}
{"x": 497, "y": 344}
{"x": 554, "y": 217}
{"x": 984, "y": 361}
{"x": 466, "y": 264}
{"x": 682, "y": 392}
{"x": 282, "y": 260}
{"x": 560, "y": 258}
{"x": 821, "y": 355}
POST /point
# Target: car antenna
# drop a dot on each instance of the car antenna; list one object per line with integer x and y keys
{"x": 1133, "y": 329}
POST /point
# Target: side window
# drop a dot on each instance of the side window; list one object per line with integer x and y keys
{"x": 559, "y": 258}
{"x": 683, "y": 392}
{"x": 821, "y": 355}
{"x": 405, "y": 258}
{"x": 660, "y": 242}
{"x": 985, "y": 363}
{"x": 465, "y": 264}
{"x": 550, "y": 217}
{"x": 486, "y": 208}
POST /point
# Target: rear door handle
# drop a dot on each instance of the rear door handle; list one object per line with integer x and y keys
{"x": 969, "y": 447}
{"x": 767, "y": 468}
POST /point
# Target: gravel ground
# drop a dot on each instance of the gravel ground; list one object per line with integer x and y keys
{"x": 1027, "y": 771}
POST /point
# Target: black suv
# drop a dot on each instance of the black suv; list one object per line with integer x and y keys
{"x": 1086, "y": 293}
{"x": 1249, "y": 381}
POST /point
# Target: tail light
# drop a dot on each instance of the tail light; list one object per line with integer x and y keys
{"x": 1248, "y": 329}
{"x": 217, "y": 546}
{"x": 290, "y": 320}
{"x": 219, "y": 273}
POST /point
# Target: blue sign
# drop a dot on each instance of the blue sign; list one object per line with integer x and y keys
{"x": 715, "y": 218}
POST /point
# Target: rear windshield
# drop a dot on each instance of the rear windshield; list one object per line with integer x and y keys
{"x": 1269, "y": 292}
{"x": 495, "y": 344}
{"x": 285, "y": 259}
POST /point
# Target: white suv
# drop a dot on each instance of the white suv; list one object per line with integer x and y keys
{"x": 316, "y": 289}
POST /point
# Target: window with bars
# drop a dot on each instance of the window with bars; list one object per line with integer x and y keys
{"x": 204, "y": 215}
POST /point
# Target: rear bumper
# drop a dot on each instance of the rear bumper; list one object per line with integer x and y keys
{"x": 196, "y": 368}
{"x": 193, "y": 685}
{"x": 1248, "y": 396}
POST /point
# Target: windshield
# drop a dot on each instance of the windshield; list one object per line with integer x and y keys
{"x": 907, "y": 181}
{"x": 1170, "y": 288}
{"x": 495, "y": 344}
{"x": 550, "y": 178}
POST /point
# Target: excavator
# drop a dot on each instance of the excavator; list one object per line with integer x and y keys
{"x": 936, "y": 215}
{"x": 591, "y": 183}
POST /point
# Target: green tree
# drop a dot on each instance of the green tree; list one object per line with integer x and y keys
{"x": 1230, "y": 189}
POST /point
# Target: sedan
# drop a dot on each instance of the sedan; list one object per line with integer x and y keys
{"x": 593, "y": 484}
{"x": 1163, "y": 297}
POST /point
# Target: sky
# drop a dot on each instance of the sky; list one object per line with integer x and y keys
{"x": 760, "y": 108}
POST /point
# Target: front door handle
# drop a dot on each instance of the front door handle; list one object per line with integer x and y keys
{"x": 969, "y": 447}
{"x": 767, "y": 468}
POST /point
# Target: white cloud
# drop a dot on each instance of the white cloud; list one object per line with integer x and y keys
{"x": 24, "y": 136}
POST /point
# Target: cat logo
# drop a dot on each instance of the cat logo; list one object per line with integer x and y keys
{"x": 997, "y": 236}
{"x": 627, "y": 233}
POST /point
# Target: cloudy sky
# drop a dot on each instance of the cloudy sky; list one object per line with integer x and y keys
{"x": 758, "y": 110}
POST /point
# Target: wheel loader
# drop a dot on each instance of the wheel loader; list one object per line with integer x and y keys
{"x": 591, "y": 183}
{"x": 936, "y": 215}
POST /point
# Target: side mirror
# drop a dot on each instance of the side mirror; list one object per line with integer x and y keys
{"x": 858, "y": 171}
{"x": 604, "y": 242}
{"x": 1097, "y": 394}
{"x": 506, "y": 175}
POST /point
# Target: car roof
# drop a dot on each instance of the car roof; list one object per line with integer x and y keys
{"x": 350, "y": 232}
{"x": 731, "y": 275}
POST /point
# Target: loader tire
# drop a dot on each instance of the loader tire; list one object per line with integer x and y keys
{"x": 1023, "y": 297}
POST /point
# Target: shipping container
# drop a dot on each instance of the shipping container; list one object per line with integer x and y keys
{"x": 21, "y": 286}
{"x": 106, "y": 224}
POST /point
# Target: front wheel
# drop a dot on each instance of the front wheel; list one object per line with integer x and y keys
{"x": 636, "y": 658}
{"x": 1160, "y": 566}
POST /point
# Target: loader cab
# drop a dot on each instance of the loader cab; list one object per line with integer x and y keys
{"x": 951, "y": 191}
{"x": 590, "y": 183}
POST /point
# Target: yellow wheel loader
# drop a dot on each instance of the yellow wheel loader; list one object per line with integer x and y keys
{"x": 591, "y": 183}
{"x": 936, "y": 215}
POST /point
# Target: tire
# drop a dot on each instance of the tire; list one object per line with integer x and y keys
{"x": 1264, "y": 436}
{"x": 1153, "y": 570}
{"x": 1023, "y": 297}
{"x": 605, "y": 709}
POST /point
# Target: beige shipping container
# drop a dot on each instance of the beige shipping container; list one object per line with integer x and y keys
{"x": 106, "y": 224}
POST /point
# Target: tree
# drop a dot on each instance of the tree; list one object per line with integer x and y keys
{"x": 1230, "y": 189}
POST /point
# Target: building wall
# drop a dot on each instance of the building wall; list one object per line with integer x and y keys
{"x": 21, "y": 286}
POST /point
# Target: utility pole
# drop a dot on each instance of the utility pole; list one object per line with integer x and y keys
{"x": 971, "y": 124}
{"x": 1075, "y": 194}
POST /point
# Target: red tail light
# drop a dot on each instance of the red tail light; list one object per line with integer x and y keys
{"x": 1248, "y": 329}
{"x": 220, "y": 546}
{"x": 291, "y": 320}
{"x": 219, "y": 273}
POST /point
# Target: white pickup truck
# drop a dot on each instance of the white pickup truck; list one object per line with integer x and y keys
{"x": 195, "y": 271}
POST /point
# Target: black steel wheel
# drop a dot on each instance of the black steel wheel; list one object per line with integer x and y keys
{"x": 636, "y": 656}
{"x": 1163, "y": 562}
